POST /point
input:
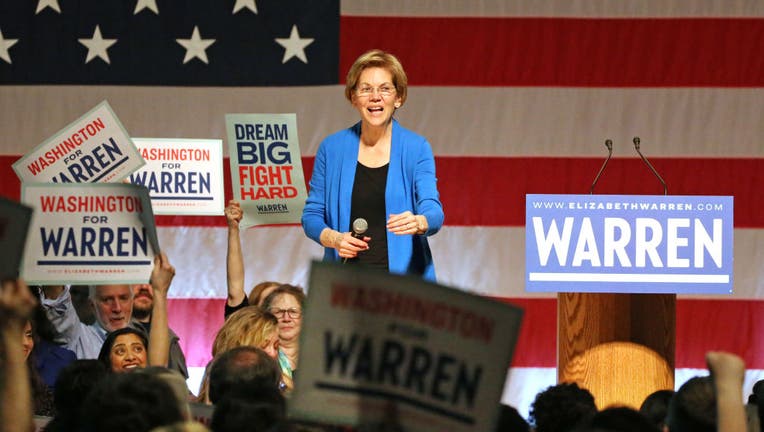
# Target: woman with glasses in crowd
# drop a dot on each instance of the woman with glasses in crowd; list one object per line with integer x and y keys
{"x": 378, "y": 171}
{"x": 285, "y": 303}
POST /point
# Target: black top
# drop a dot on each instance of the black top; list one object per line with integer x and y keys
{"x": 368, "y": 202}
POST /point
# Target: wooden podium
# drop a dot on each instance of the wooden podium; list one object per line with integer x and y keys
{"x": 618, "y": 346}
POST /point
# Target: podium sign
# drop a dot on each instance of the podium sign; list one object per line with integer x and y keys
{"x": 629, "y": 244}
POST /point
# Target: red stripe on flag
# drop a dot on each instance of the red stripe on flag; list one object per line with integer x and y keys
{"x": 490, "y": 191}
{"x": 649, "y": 52}
{"x": 727, "y": 325}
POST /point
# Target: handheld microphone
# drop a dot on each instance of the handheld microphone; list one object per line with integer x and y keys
{"x": 649, "y": 165}
{"x": 359, "y": 229}
{"x": 609, "y": 145}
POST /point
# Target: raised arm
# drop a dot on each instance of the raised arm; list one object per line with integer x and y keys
{"x": 16, "y": 304}
{"x": 159, "y": 337}
{"x": 727, "y": 371}
{"x": 56, "y": 300}
{"x": 234, "y": 258}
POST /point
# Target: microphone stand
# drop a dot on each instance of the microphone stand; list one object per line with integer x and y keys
{"x": 609, "y": 145}
{"x": 660, "y": 179}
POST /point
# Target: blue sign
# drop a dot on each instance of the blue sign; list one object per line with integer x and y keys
{"x": 629, "y": 244}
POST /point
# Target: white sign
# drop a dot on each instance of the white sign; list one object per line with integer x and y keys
{"x": 14, "y": 224}
{"x": 95, "y": 234}
{"x": 266, "y": 168}
{"x": 95, "y": 148}
{"x": 380, "y": 348}
{"x": 183, "y": 176}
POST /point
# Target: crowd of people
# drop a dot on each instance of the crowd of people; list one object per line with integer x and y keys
{"x": 131, "y": 386}
{"x": 122, "y": 368}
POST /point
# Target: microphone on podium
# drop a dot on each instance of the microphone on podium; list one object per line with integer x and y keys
{"x": 359, "y": 229}
{"x": 609, "y": 145}
{"x": 649, "y": 165}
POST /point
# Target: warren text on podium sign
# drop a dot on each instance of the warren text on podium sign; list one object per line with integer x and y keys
{"x": 629, "y": 243}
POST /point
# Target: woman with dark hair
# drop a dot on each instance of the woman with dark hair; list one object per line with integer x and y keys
{"x": 42, "y": 395}
{"x": 124, "y": 349}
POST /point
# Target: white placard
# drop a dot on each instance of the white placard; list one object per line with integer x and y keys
{"x": 95, "y": 148}
{"x": 183, "y": 176}
{"x": 95, "y": 234}
{"x": 266, "y": 167}
{"x": 380, "y": 348}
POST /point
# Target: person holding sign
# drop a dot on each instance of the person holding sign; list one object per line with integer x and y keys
{"x": 378, "y": 171}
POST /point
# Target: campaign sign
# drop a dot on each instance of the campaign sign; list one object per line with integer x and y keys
{"x": 629, "y": 244}
{"x": 95, "y": 234}
{"x": 266, "y": 169}
{"x": 93, "y": 149}
{"x": 377, "y": 348}
{"x": 183, "y": 176}
{"x": 14, "y": 223}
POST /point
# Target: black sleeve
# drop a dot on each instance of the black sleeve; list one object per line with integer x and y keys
{"x": 231, "y": 309}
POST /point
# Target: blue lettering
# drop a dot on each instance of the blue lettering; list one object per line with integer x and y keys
{"x": 50, "y": 239}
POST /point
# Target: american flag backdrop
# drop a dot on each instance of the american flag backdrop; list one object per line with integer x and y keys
{"x": 515, "y": 98}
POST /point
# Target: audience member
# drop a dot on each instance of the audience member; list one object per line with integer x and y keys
{"x": 244, "y": 386}
{"x": 74, "y": 384}
{"x": 245, "y": 372}
{"x": 693, "y": 407}
{"x": 130, "y": 402}
{"x": 113, "y": 306}
{"x": 42, "y": 396}
{"x": 124, "y": 350}
{"x": 235, "y": 415}
{"x": 186, "y": 426}
{"x": 250, "y": 326}
{"x": 16, "y": 305}
{"x": 237, "y": 299}
{"x": 655, "y": 406}
{"x": 286, "y": 303}
{"x": 510, "y": 420}
{"x": 49, "y": 357}
{"x": 143, "y": 307}
{"x": 82, "y": 305}
{"x": 177, "y": 383}
{"x": 619, "y": 419}
{"x": 727, "y": 371}
{"x": 562, "y": 408}
{"x": 113, "y": 309}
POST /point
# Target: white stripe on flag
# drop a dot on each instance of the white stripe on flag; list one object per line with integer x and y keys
{"x": 554, "y": 8}
{"x": 514, "y": 121}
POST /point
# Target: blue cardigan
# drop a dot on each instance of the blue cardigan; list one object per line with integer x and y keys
{"x": 411, "y": 185}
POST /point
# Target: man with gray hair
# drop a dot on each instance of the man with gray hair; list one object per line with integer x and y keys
{"x": 113, "y": 306}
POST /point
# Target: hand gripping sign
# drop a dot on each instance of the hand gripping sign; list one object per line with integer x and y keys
{"x": 266, "y": 168}
{"x": 95, "y": 234}
{"x": 95, "y": 148}
{"x": 396, "y": 350}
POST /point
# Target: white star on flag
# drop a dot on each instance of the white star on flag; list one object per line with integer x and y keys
{"x": 241, "y": 4}
{"x": 42, "y": 4}
{"x": 295, "y": 46}
{"x": 4, "y": 45}
{"x": 97, "y": 46}
{"x": 143, "y": 4}
{"x": 196, "y": 46}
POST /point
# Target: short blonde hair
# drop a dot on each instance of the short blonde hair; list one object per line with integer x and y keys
{"x": 249, "y": 326}
{"x": 381, "y": 59}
